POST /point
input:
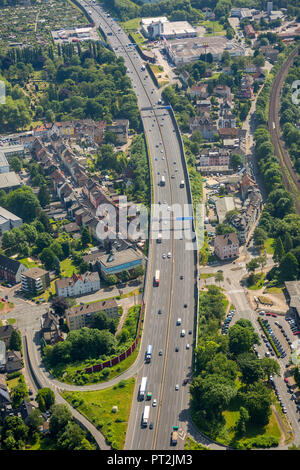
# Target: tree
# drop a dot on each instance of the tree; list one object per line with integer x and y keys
{"x": 71, "y": 438}
{"x": 288, "y": 242}
{"x": 222, "y": 229}
{"x": 278, "y": 250}
{"x": 14, "y": 432}
{"x": 250, "y": 367}
{"x": 34, "y": 421}
{"x": 47, "y": 257}
{"x": 44, "y": 195}
{"x": 101, "y": 321}
{"x": 60, "y": 417}
{"x": 252, "y": 265}
{"x": 15, "y": 164}
{"x": 259, "y": 236}
{"x": 235, "y": 161}
{"x": 241, "y": 337}
{"x": 137, "y": 271}
{"x": 59, "y": 304}
{"x": 24, "y": 203}
{"x": 257, "y": 400}
{"x": 124, "y": 276}
{"x": 85, "y": 237}
{"x": 45, "y": 398}
{"x": 242, "y": 421}
{"x": 56, "y": 266}
{"x": 44, "y": 240}
{"x": 15, "y": 342}
{"x": 262, "y": 261}
{"x": 288, "y": 267}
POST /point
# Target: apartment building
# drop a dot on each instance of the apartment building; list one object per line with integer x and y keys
{"x": 227, "y": 246}
{"x": 35, "y": 281}
{"x": 81, "y": 316}
{"x": 78, "y": 284}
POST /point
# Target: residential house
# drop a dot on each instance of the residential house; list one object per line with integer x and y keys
{"x": 223, "y": 91}
{"x": 50, "y": 328}
{"x": 14, "y": 361}
{"x": 2, "y": 354}
{"x": 206, "y": 125}
{"x": 78, "y": 285}
{"x": 249, "y": 31}
{"x": 5, "y": 334}
{"x": 11, "y": 270}
{"x": 200, "y": 91}
{"x": 120, "y": 127}
{"x": 270, "y": 53}
{"x": 227, "y": 246}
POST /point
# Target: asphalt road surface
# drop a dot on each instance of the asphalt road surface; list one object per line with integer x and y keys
{"x": 160, "y": 330}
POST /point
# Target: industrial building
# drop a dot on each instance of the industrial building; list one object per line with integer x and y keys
{"x": 191, "y": 49}
{"x": 161, "y": 27}
{"x": 8, "y": 220}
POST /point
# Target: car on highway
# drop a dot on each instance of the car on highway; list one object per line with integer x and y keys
{"x": 181, "y": 277}
{"x": 164, "y": 255}
{"x": 182, "y": 334}
{"x": 160, "y": 352}
{"x": 186, "y": 381}
{"x": 176, "y": 387}
{"x": 176, "y": 349}
{"x": 159, "y": 312}
{"x": 151, "y": 425}
{"x": 190, "y": 332}
{"x": 154, "y": 403}
{"x": 188, "y": 346}
{"x": 169, "y": 255}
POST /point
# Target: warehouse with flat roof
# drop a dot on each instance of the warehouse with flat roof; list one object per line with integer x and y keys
{"x": 190, "y": 49}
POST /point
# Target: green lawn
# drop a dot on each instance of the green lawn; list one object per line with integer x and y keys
{"x": 216, "y": 28}
{"x": 29, "y": 263}
{"x": 97, "y": 407}
{"x": 269, "y": 246}
{"x": 139, "y": 38}
{"x": 11, "y": 321}
{"x": 207, "y": 275}
{"x": 131, "y": 25}
{"x": 67, "y": 268}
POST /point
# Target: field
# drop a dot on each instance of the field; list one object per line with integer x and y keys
{"x": 31, "y": 25}
{"x": 97, "y": 407}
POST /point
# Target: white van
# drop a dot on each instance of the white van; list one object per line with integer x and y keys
{"x": 179, "y": 321}
{"x": 182, "y": 333}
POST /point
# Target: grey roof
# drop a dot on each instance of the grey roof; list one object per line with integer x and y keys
{"x": 8, "y": 180}
{"x": 9, "y": 264}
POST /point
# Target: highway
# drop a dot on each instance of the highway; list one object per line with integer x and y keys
{"x": 160, "y": 329}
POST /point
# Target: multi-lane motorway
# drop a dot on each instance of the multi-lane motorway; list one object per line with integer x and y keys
{"x": 177, "y": 272}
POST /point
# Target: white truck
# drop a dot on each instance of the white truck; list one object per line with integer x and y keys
{"x": 143, "y": 387}
{"x": 145, "y": 417}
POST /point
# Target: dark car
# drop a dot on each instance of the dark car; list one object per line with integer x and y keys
{"x": 185, "y": 305}
{"x": 176, "y": 349}
{"x": 185, "y": 381}
{"x": 159, "y": 311}
{"x": 151, "y": 425}
{"x": 190, "y": 332}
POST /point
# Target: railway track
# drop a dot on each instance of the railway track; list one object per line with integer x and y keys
{"x": 290, "y": 178}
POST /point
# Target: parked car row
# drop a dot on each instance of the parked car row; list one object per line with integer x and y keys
{"x": 284, "y": 410}
{"x": 285, "y": 335}
{"x": 293, "y": 326}
{"x": 227, "y": 322}
{"x": 276, "y": 341}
